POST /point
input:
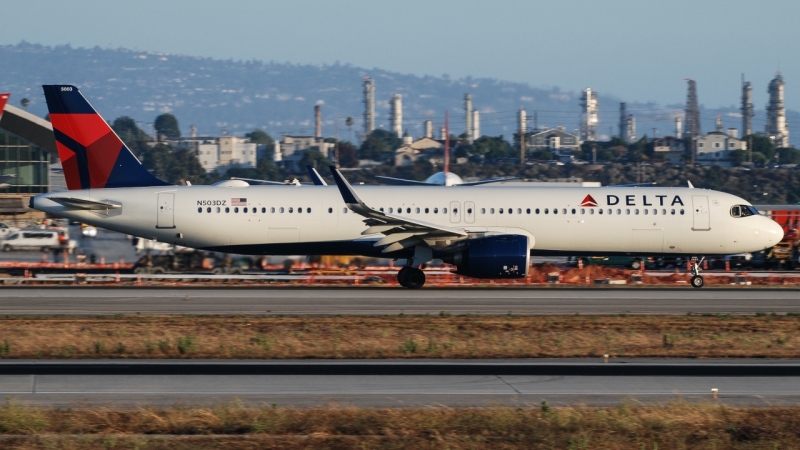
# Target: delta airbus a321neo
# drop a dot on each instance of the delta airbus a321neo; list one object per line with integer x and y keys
{"x": 485, "y": 232}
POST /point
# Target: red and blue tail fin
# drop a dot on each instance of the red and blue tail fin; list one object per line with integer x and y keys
{"x": 3, "y": 101}
{"x": 92, "y": 154}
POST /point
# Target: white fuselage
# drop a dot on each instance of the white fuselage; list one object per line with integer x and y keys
{"x": 268, "y": 219}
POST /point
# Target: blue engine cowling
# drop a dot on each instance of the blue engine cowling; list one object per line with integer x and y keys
{"x": 500, "y": 256}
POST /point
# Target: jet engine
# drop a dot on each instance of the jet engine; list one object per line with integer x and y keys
{"x": 496, "y": 256}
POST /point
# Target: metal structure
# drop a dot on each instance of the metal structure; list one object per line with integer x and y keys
{"x": 468, "y": 131}
{"x": 678, "y": 127}
{"x": 589, "y": 115}
{"x": 522, "y": 117}
{"x": 623, "y": 120}
{"x": 630, "y": 128}
{"x": 369, "y": 105}
{"x": 692, "y": 112}
{"x": 396, "y": 119}
{"x": 718, "y": 123}
{"x": 476, "y": 125}
{"x": 747, "y": 108}
{"x": 318, "y": 121}
{"x": 428, "y": 129}
{"x": 777, "y": 128}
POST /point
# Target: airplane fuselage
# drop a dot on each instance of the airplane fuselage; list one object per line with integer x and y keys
{"x": 314, "y": 220}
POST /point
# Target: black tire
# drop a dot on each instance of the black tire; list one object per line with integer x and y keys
{"x": 698, "y": 282}
{"x": 415, "y": 279}
{"x": 636, "y": 264}
{"x": 402, "y": 276}
{"x": 6, "y": 248}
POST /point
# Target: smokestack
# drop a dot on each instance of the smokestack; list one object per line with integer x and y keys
{"x": 623, "y": 121}
{"x": 369, "y": 105}
{"x": 692, "y": 112}
{"x": 747, "y": 107}
{"x": 397, "y": 114}
{"x": 318, "y": 121}
{"x": 468, "y": 117}
{"x": 719, "y": 123}
{"x": 589, "y": 115}
{"x": 733, "y": 132}
{"x": 678, "y": 127}
{"x": 777, "y": 129}
{"x": 522, "y": 121}
{"x": 193, "y": 131}
{"x": 442, "y": 133}
{"x": 476, "y": 125}
{"x": 429, "y": 129}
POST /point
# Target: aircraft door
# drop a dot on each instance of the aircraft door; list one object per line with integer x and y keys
{"x": 166, "y": 211}
{"x": 469, "y": 212}
{"x": 700, "y": 212}
{"x": 455, "y": 212}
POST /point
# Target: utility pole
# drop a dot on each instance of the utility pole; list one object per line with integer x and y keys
{"x": 336, "y": 145}
{"x": 446, "y": 144}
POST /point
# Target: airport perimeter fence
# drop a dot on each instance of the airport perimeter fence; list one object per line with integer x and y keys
{"x": 545, "y": 275}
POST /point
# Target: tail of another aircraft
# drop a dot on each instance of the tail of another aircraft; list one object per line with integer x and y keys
{"x": 92, "y": 154}
{"x": 3, "y": 101}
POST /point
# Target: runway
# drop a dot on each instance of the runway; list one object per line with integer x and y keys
{"x": 389, "y": 301}
{"x": 480, "y": 383}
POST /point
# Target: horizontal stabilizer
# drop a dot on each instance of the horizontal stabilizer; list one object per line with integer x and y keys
{"x": 89, "y": 205}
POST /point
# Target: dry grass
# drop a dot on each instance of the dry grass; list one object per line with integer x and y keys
{"x": 675, "y": 426}
{"x": 764, "y": 336}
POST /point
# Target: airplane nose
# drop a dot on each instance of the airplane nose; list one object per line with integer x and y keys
{"x": 773, "y": 232}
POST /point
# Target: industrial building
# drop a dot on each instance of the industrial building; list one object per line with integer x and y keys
{"x": 291, "y": 149}
{"x": 588, "y": 115}
{"x": 777, "y": 129}
{"x": 558, "y": 140}
{"x": 671, "y": 148}
{"x": 715, "y": 148}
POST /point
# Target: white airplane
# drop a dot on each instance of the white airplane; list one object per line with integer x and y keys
{"x": 485, "y": 232}
{"x": 445, "y": 178}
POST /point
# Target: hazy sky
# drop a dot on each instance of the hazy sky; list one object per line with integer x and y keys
{"x": 637, "y": 50}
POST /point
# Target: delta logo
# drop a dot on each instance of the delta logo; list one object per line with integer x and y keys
{"x": 588, "y": 201}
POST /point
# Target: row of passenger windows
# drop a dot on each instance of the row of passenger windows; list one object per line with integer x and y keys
{"x": 574, "y": 211}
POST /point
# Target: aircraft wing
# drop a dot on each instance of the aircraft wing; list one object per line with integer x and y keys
{"x": 315, "y": 176}
{"x": 89, "y": 205}
{"x": 402, "y": 182}
{"x": 487, "y": 181}
{"x": 254, "y": 180}
{"x": 400, "y": 232}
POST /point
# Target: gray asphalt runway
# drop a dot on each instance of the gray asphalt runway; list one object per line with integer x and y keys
{"x": 396, "y": 390}
{"x": 377, "y": 301}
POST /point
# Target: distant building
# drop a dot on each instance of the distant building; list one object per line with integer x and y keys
{"x": 223, "y": 152}
{"x": 27, "y": 149}
{"x": 672, "y": 148}
{"x": 424, "y": 148}
{"x": 557, "y": 140}
{"x": 715, "y": 148}
{"x": 291, "y": 150}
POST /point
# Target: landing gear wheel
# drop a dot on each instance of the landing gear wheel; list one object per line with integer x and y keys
{"x": 415, "y": 278}
{"x": 697, "y": 281}
{"x": 402, "y": 276}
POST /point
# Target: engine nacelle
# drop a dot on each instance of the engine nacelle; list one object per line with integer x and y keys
{"x": 499, "y": 256}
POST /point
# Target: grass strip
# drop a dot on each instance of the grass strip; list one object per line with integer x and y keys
{"x": 677, "y": 425}
{"x": 157, "y": 337}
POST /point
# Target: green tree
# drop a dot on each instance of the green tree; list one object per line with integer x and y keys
{"x": 739, "y": 157}
{"x": 313, "y": 158}
{"x": 259, "y": 137}
{"x": 374, "y": 149}
{"x": 347, "y": 154}
{"x": 166, "y": 125}
{"x": 173, "y": 165}
{"x": 130, "y": 133}
{"x": 761, "y": 144}
{"x": 788, "y": 155}
{"x": 492, "y": 147}
{"x": 390, "y": 138}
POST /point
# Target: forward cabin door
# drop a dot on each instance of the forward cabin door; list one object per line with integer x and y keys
{"x": 469, "y": 212}
{"x": 702, "y": 219}
{"x": 166, "y": 211}
{"x": 455, "y": 212}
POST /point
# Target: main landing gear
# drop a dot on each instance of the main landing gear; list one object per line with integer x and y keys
{"x": 411, "y": 277}
{"x": 697, "y": 279}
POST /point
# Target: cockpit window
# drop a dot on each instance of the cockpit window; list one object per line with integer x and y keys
{"x": 743, "y": 211}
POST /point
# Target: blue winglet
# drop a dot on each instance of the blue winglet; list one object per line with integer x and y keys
{"x": 315, "y": 176}
{"x": 348, "y": 194}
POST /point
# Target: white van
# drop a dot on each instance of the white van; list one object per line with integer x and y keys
{"x": 44, "y": 240}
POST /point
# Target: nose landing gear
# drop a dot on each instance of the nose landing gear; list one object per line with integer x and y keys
{"x": 411, "y": 277}
{"x": 697, "y": 280}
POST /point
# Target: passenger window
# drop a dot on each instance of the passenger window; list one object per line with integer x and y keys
{"x": 628, "y": 212}
{"x": 208, "y": 210}
{"x": 344, "y": 210}
{"x": 528, "y": 211}
{"x": 244, "y": 210}
{"x": 646, "y": 212}
{"x": 546, "y": 211}
{"x": 299, "y": 210}
{"x": 391, "y": 210}
{"x": 281, "y": 209}
{"x": 408, "y": 210}
{"x": 444, "y": 210}
{"x": 500, "y": 210}
{"x": 436, "y": 210}
{"x": 483, "y": 210}
{"x": 583, "y": 211}
{"x": 218, "y": 210}
{"x": 236, "y": 210}
{"x": 672, "y": 212}
{"x": 511, "y": 210}
{"x": 272, "y": 210}
{"x": 663, "y": 212}
{"x": 200, "y": 209}
{"x": 573, "y": 211}
{"x": 427, "y": 210}
{"x": 600, "y": 211}
{"x": 469, "y": 211}
{"x": 591, "y": 212}
{"x": 564, "y": 210}
{"x": 455, "y": 210}
{"x": 681, "y": 212}
{"x": 291, "y": 210}
{"x": 555, "y": 210}
{"x": 619, "y": 212}
{"x": 227, "y": 210}
{"x": 263, "y": 210}
{"x": 308, "y": 210}
{"x": 537, "y": 211}
{"x": 416, "y": 210}
{"x": 491, "y": 210}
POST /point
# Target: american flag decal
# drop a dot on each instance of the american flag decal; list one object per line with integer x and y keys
{"x": 239, "y": 202}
